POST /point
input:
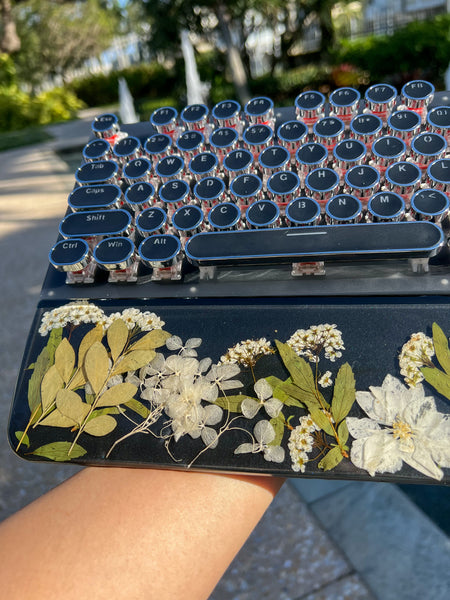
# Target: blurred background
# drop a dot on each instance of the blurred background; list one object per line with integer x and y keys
{"x": 63, "y": 62}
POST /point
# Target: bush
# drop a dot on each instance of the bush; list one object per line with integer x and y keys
{"x": 419, "y": 50}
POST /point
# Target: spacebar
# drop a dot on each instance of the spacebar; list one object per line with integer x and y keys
{"x": 405, "y": 239}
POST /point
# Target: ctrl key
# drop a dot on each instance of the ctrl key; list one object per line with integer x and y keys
{"x": 73, "y": 257}
{"x": 163, "y": 254}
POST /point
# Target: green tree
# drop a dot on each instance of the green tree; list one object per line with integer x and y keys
{"x": 57, "y": 36}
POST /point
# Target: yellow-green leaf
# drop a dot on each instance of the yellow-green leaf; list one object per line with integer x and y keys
{"x": 344, "y": 393}
{"x": 343, "y": 432}
{"x": 441, "y": 348}
{"x": 151, "y": 340}
{"x": 438, "y": 379}
{"x": 331, "y": 459}
{"x": 41, "y": 366}
{"x": 59, "y": 451}
{"x": 278, "y": 425}
{"x": 65, "y": 359}
{"x": 23, "y": 438}
{"x": 231, "y": 403}
{"x": 133, "y": 361}
{"x": 298, "y": 368}
{"x": 51, "y": 383}
{"x": 78, "y": 380}
{"x": 93, "y": 335}
{"x": 117, "y": 336}
{"x": 320, "y": 419}
{"x": 72, "y": 406}
{"x": 57, "y": 419}
{"x": 54, "y": 340}
{"x": 118, "y": 394}
{"x": 137, "y": 407}
{"x": 96, "y": 366}
{"x": 100, "y": 426}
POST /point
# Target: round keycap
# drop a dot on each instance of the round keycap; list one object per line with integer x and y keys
{"x": 203, "y": 165}
{"x": 259, "y": 110}
{"x": 98, "y": 149}
{"x": 283, "y": 186}
{"x": 291, "y": 134}
{"x": 126, "y": 149}
{"x": 164, "y": 119}
{"x": 273, "y": 158}
{"x": 257, "y": 137}
{"x": 138, "y": 169}
{"x": 387, "y": 149}
{"x": 140, "y": 195}
{"x": 190, "y": 142}
{"x": 404, "y": 123}
{"x": 263, "y": 213}
{"x": 386, "y": 206}
{"x": 226, "y": 112}
{"x": 311, "y": 156}
{"x": 403, "y": 177}
{"x": 303, "y": 211}
{"x": 151, "y": 220}
{"x": 188, "y": 219}
{"x": 349, "y": 153}
{"x": 417, "y": 94}
{"x": 224, "y": 139}
{"x": 309, "y": 106}
{"x": 362, "y": 181}
{"x": 429, "y": 205}
{"x": 329, "y": 131}
{"x": 209, "y": 190}
{"x": 174, "y": 193}
{"x": 365, "y": 127}
{"x": 246, "y": 188}
{"x": 225, "y": 215}
{"x": 105, "y": 126}
{"x": 438, "y": 174}
{"x": 427, "y": 146}
{"x": 344, "y": 101}
{"x": 343, "y": 208}
{"x": 158, "y": 145}
{"x": 238, "y": 161}
{"x": 194, "y": 115}
{"x": 380, "y": 97}
{"x": 438, "y": 119}
{"x": 170, "y": 167}
{"x": 322, "y": 183}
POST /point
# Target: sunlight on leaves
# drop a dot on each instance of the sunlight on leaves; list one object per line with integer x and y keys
{"x": 440, "y": 343}
{"x": 344, "y": 393}
{"x": 65, "y": 359}
{"x": 117, "y": 336}
{"x": 92, "y": 336}
{"x": 151, "y": 340}
{"x": 51, "y": 384}
{"x": 96, "y": 366}
{"x": 133, "y": 361}
{"x": 59, "y": 451}
{"x": 71, "y": 405}
{"x": 100, "y": 426}
{"x": 118, "y": 394}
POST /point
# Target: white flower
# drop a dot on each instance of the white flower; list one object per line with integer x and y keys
{"x": 264, "y": 434}
{"x": 247, "y": 352}
{"x": 416, "y": 353}
{"x": 326, "y": 380}
{"x": 311, "y": 342}
{"x": 74, "y": 313}
{"x": 403, "y": 426}
{"x": 272, "y": 406}
{"x": 147, "y": 321}
{"x": 175, "y": 343}
{"x": 301, "y": 442}
{"x": 220, "y": 378}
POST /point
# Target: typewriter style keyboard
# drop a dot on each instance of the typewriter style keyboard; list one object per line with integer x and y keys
{"x": 299, "y": 190}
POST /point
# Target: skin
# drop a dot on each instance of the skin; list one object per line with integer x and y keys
{"x": 130, "y": 534}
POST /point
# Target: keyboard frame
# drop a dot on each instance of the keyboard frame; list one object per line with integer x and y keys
{"x": 242, "y": 303}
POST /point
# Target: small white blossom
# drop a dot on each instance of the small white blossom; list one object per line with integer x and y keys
{"x": 250, "y": 407}
{"x": 174, "y": 343}
{"x": 264, "y": 434}
{"x": 73, "y": 313}
{"x": 311, "y": 342}
{"x": 247, "y": 352}
{"x": 326, "y": 379}
{"x": 416, "y": 353}
{"x": 301, "y": 442}
{"x": 403, "y": 425}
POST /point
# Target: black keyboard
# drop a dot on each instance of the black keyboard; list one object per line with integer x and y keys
{"x": 252, "y": 289}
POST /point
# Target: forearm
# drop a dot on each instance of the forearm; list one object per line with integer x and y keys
{"x": 130, "y": 533}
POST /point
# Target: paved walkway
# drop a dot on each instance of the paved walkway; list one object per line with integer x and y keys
{"x": 318, "y": 541}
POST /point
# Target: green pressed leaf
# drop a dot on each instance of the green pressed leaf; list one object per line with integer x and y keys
{"x": 96, "y": 366}
{"x": 59, "y": 451}
{"x": 52, "y": 382}
{"x": 78, "y": 380}
{"x": 100, "y": 426}
{"x": 280, "y": 394}
{"x": 343, "y": 432}
{"x": 117, "y": 336}
{"x": 344, "y": 393}
{"x": 57, "y": 419}
{"x": 231, "y": 403}
{"x": 54, "y": 339}
{"x": 137, "y": 407}
{"x": 41, "y": 366}
{"x": 116, "y": 395}
{"x": 65, "y": 359}
{"x": 151, "y": 340}
{"x": 92, "y": 336}
{"x": 320, "y": 419}
{"x": 298, "y": 368}
{"x": 72, "y": 406}
{"x": 441, "y": 348}
{"x": 133, "y": 361}
{"x": 23, "y": 438}
{"x": 331, "y": 459}
{"x": 278, "y": 424}
{"x": 438, "y": 379}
